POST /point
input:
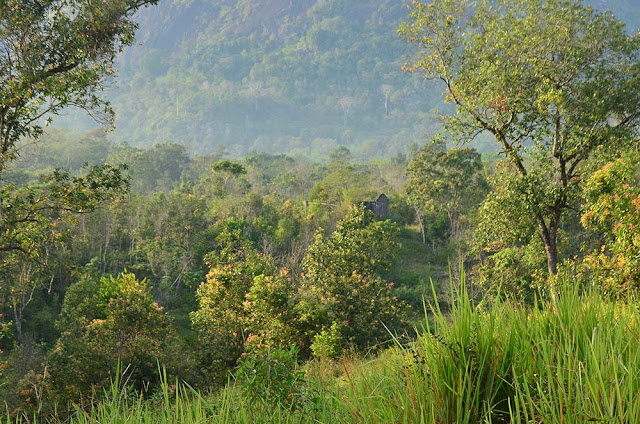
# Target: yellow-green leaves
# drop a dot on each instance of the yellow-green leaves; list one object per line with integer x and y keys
{"x": 57, "y": 53}
{"x": 552, "y": 81}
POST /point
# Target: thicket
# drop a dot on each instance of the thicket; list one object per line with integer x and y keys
{"x": 503, "y": 362}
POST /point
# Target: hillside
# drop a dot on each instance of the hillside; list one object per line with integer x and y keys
{"x": 300, "y": 77}
{"x": 276, "y": 76}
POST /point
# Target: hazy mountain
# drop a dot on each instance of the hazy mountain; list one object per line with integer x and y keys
{"x": 295, "y": 76}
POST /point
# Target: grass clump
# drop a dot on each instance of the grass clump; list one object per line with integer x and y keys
{"x": 508, "y": 363}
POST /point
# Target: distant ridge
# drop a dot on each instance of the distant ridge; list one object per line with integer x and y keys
{"x": 293, "y": 76}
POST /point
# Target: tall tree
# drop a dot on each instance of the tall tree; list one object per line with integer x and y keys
{"x": 553, "y": 81}
{"x": 57, "y": 53}
{"x": 343, "y": 282}
{"x": 446, "y": 182}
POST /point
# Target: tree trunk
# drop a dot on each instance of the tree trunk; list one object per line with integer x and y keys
{"x": 550, "y": 239}
{"x": 421, "y": 224}
{"x": 551, "y": 250}
{"x": 17, "y": 316}
{"x": 549, "y": 235}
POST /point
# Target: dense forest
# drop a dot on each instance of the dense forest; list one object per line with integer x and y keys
{"x": 300, "y": 78}
{"x": 301, "y": 227}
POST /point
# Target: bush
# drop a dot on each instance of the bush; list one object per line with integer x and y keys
{"x": 272, "y": 376}
{"x": 612, "y": 209}
{"x": 343, "y": 282}
{"x": 245, "y": 303}
{"x": 328, "y": 343}
{"x": 105, "y": 322}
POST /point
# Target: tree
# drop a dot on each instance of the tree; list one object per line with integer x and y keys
{"x": 244, "y": 302}
{"x": 612, "y": 209}
{"x": 386, "y": 89}
{"x": 104, "y": 322}
{"x": 54, "y": 54}
{"x": 446, "y": 182}
{"x": 346, "y": 103}
{"x": 340, "y": 156}
{"x": 22, "y": 279}
{"x": 554, "y": 82}
{"x": 255, "y": 90}
{"x": 343, "y": 281}
{"x": 36, "y": 219}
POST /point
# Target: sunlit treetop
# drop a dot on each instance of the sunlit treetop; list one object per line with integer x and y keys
{"x": 553, "y": 81}
{"x": 57, "y": 53}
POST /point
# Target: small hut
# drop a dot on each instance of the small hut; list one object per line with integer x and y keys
{"x": 379, "y": 207}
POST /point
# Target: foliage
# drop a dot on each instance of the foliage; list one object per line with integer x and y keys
{"x": 272, "y": 377}
{"x": 30, "y": 214}
{"x": 510, "y": 255}
{"x": 279, "y": 174}
{"x": 26, "y": 380}
{"x": 56, "y": 54}
{"x": 343, "y": 281}
{"x": 342, "y": 186}
{"x": 551, "y": 99}
{"x": 243, "y": 300}
{"x": 227, "y": 179}
{"x": 270, "y": 318}
{"x": 228, "y": 167}
{"x": 612, "y": 206}
{"x": 158, "y": 168}
{"x": 4, "y": 331}
{"x": 272, "y": 285}
{"x": 36, "y": 220}
{"x": 105, "y": 322}
{"x": 508, "y": 363}
{"x": 327, "y": 344}
{"x": 445, "y": 183}
{"x": 517, "y": 272}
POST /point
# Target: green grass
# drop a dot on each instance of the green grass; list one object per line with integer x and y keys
{"x": 414, "y": 271}
{"x": 498, "y": 364}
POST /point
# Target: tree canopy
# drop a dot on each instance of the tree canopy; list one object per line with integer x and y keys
{"x": 553, "y": 81}
{"x": 445, "y": 182}
{"x": 54, "y": 54}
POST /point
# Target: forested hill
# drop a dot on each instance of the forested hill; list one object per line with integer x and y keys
{"x": 272, "y": 75}
{"x": 294, "y": 76}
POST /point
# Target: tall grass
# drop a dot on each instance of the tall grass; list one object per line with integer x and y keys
{"x": 576, "y": 363}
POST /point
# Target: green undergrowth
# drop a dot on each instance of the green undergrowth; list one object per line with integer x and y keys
{"x": 576, "y": 363}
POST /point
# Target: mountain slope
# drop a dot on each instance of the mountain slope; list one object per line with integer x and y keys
{"x": 294, "y": 76}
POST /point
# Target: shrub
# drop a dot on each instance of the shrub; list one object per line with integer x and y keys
{"x": 103, "y": 323}
{"x": 272, "y": 376}
{"x": 343, "y": 282}
{"x": 328, "y": 343}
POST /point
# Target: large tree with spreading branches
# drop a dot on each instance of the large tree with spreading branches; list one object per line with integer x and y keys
{"x": 54, "y": 54}
{"x": 555, "y": 83}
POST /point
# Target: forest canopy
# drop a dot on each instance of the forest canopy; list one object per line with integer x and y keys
{"x": 555, "y": 83}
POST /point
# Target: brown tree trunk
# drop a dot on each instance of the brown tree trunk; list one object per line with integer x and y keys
{"x": 549, "y": 235}
{"x": 551, "y": 249}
